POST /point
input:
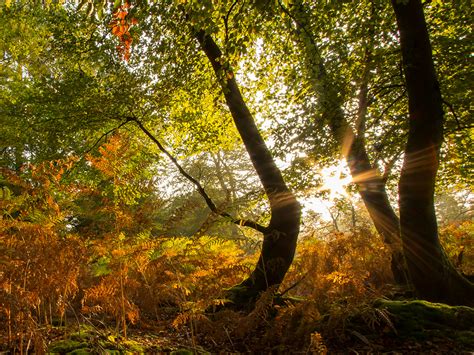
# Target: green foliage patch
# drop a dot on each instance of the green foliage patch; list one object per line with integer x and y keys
{"x": 423, "y": 320}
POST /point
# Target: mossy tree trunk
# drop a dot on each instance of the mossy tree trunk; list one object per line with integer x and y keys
{"x": 431, "y": 272}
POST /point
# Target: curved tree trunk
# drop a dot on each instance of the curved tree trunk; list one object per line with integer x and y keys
{"x": 431, "y": 272}
{"x": 371, "y": 187}
{"x": 280, "y": 237}
{"x": 369, "y": 182}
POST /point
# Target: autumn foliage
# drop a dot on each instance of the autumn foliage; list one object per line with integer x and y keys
{"x": 120, "y": 27}
{"x": 90, "y": 252}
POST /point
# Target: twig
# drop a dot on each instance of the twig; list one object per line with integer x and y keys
{"x": 105, "y": 135}
{"x": 389, "y": 165}
{"x": 389, "y": 106}
{"x": 295, "y": 284}
{"x": 83, "y": 155}
{"x": 451, "y": 108}
{"x": 226, "y": 21}
{"x": 212, "y": 206}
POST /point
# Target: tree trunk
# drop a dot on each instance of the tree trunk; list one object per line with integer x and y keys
{"x": 431, "y": 272}
{"x": 372, "y": 190}
{"x": 370, "y": 184}
{"x": 280, "y": 237}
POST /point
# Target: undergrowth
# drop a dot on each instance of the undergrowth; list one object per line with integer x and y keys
{"x": 61, "y": 267}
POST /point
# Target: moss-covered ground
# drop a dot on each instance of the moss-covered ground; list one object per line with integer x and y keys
{"x": 387, "y": 326}
{"x": 409, "y": 326}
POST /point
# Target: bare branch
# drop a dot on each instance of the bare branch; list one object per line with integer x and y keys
{"x": 389, "y": 165}
{"x": 389, "y": 106}
{"x": 105, "y": 134}
{"x": 296, "y": 283}
{"x": 379, "y": 90}
{"x": 212, "y": 206}
{"x": 451, "y": 108}
{"x": 226, "y": 21}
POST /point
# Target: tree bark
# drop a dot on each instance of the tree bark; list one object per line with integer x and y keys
{"x": 371, "y": 187}
{"x": 369, "y": 182}
{"x": 431, "y": 272}
{"x": 280, "y": 237}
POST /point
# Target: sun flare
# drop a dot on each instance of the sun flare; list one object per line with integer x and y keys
{"x": 335, "y": 179}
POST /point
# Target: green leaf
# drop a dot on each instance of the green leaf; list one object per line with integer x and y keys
{"x": 101, "y": 267}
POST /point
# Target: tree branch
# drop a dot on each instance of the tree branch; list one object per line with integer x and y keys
{"x": 389, "y": 165}
{"x": 212, "y": 206}
{"x": 451, "y": 108}
{"x": 378, "y": 90}
{"x": 296, "y": 283}
{"x": 386, "y": 109}
{"x": 105, "y": 134}
{"x": 226, "y": 21}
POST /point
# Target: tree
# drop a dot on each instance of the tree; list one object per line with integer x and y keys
{"x": 130, "y": 97}
{"x": 451, "y": 37}
{"x": 431, "y": 272}
{"x": 51, "y": 84}
{"x": 280, "y": 236}
{"x": 356, "y": 83}
{"x": 350, "y": 138}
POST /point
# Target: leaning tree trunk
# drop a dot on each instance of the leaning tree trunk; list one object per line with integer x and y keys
{"x": 279, "y": 240}
{"x": 431, "y": 272}
{"x": 371, "y": 187}
{"x": 370, "y": 184}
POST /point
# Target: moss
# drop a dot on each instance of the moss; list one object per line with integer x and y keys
{"x": 87, "y": 340}
{"x": 182, "y": 352}
{"x": 66, "y": 346}
{"x": 133, "y": 346}
{"x": 422, "y": 313}
{"x": 83, "y": 334}
{"x": 422, "y": 320}
{"x": 466, "y": 337}
{"x": 82, "y": 351}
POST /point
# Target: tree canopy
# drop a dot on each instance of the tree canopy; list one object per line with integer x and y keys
{"x": 178, "y": 147}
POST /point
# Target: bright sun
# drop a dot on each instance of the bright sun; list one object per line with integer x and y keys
{"x": 335, "y": 180}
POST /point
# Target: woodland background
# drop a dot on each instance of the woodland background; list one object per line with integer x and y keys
{"x": 152, "y": 155}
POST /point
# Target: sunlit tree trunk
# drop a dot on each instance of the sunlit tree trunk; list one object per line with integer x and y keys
{"x": 431, "y": 272}
{"x": 280, "y": 236}
{"x": 369, "y": 182}
{"x": 371, "y": 187}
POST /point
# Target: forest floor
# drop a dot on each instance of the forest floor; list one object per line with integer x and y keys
{"x": 389, "y": 327}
